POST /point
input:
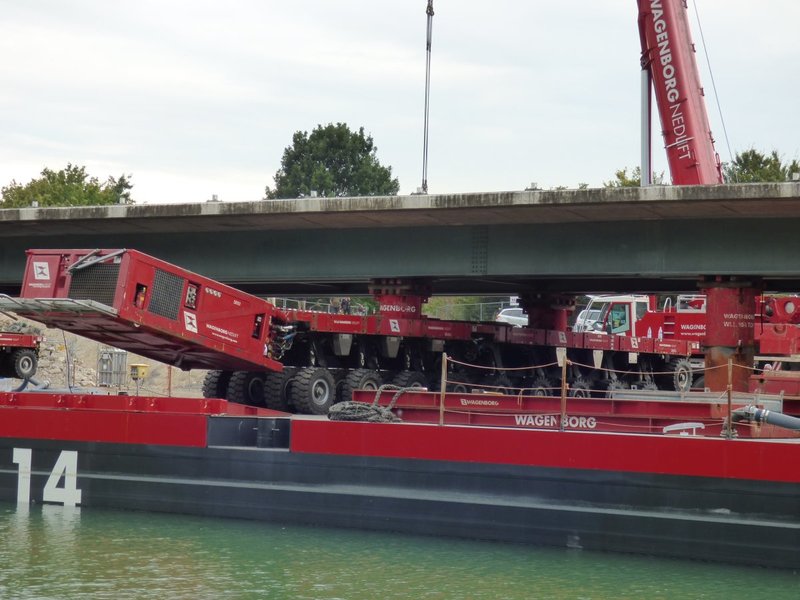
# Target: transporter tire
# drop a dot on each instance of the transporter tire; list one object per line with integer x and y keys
{"x": 682, "y": 374}
{"x": 312, "y": 391}
{"x": 498, "y": 384}
{"x": 459, "y": 387}
{"x": 215, "y": 384}
{"x": 360, "y": 379}
{"x": 277, "y": 389}
{"x": 411, "y": 379}
{"x": 246, "y": 387}
{"x": 580, "y": 388}
{"x": 649, "y": 386}
{"x": 614, "y": 385}
{"x": 25, "y": 362}
{"x": 540, "y": 387}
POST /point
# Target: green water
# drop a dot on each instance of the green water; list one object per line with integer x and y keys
{"x": 57, "y": 552}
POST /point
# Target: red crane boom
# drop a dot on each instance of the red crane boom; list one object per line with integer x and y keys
{"x": 668, "y": 53}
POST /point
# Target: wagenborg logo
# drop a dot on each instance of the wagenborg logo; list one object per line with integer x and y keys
{"x": 190, "y": 320}
{"x": 41, "y": 271}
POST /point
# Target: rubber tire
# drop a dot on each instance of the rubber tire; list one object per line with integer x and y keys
{"x": 580, "y": 388}
{"x": 498, "y": 384}
{"x": 215, "y": 384}
{"x": 313, "y": 391}
{"x": 360, "y": 379}
{"x": 411, "y": 379}
{"x": 650, "y": 386}
{"x": 25, "y": 362}
{"x": 246, "y": 387}
{"x": 459, "y": 387}
{"x": 277, "y": 389}
{"x": 541, "y": 387}
{"x": 700, "y": 383}
{"x": 682, "y": 374}
{"x": 615, "y": 385}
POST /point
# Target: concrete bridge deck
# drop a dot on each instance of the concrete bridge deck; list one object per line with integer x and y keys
{"x": 657, "y": 238}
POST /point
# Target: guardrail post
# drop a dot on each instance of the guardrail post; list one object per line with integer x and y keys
{"x": 443, "y": 388}
{"x": 563, "y": 393}
{"x": 729, "y": 433}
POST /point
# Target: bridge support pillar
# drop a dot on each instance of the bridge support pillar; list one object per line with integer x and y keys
{"x": 548, "y": 311}
{"x": 730, "y": 332}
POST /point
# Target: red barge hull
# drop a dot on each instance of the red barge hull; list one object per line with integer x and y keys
{"x": 691, "y": 497}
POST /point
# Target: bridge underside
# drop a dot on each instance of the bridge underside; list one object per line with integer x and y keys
{"x": 655, "y": 255}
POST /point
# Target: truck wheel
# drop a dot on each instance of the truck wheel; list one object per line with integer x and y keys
{"x": 313, "y": 390}
{"x": 25, "y": 363}
{"x": 246, "y": 387}
{"x": 681, "y": 374}
{"x": 540, "y": 387}
{"x": 498, "y": 384}
{"x": 580, "y": 388}
{"x": 215, "y": 384}
{"x": 411, "y": 379}
{"x": 360, "y": 379}
{"x": 614, "y": 385}
{"x": 649, "y": 385}
{"x": 276, "y": 389}
{"x": 458, "y": 387}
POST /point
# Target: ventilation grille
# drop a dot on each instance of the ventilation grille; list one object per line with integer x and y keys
{"x": 98, "y": 283}
{"x": 165, "y": 299}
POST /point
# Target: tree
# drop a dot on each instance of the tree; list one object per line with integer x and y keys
{"x": 333, "y": 161}
{"x": 71, "y": 186}
{"x": 752, "y": 166}
{"x": 635, "y": 179}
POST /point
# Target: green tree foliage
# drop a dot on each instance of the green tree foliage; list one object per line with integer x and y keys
{"x": 71, "y": 186}
{"x": 752, "y": 166}
{"x": 634, "y": 180}
{"x": 333, "y": 161}
{"x": 464, "y": 308}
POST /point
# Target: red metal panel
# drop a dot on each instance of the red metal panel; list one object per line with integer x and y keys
{"x": 668, "y": 52}
{"x": 778, "y": 338}
{"x": 603, "y": 414}
{"x": 598, "y": 341}
{"x": 524, "y": 335}
{"x": 731, "y": 316}
{"x": 121, "y": 427}
{"x": 672, "y": 347}
{"x": 557, "y": 338}
{"x": 124, "y": 403}
{"x": 19, "y": 340}
{"x": 678, "y": 455}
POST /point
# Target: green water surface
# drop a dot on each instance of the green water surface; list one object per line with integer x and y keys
{"x": 62, "y": 553}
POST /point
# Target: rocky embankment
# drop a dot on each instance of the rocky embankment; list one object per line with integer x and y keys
{"x": 68, "y": 361}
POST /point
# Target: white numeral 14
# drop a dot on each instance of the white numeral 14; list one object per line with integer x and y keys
{"x": 66, "y": 466}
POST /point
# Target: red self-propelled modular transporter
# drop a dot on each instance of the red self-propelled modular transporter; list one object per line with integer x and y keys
{"x": 139, "y": 303}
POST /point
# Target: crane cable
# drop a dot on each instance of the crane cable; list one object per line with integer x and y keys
{"x": 429, "y": 12}
{"x": 713, "y": 82}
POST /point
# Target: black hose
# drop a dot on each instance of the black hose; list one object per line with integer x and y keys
{"x": 762, "y": 415}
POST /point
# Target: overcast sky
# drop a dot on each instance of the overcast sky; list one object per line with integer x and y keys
{"x": 194, "y": 98}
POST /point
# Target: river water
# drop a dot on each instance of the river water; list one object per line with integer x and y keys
{"x": 64, "y": 553}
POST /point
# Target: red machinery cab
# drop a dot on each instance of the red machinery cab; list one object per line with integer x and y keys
{"x": 638, "y": 316}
